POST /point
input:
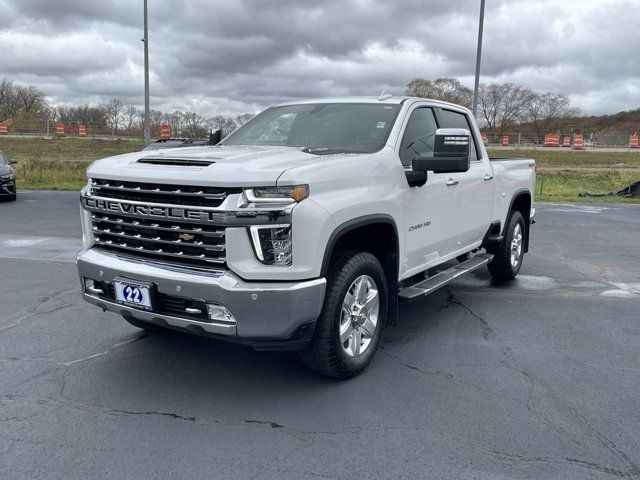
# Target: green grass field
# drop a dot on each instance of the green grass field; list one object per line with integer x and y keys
{"x": 562, "y": 176}
{"x": 60, "y": 164}
{"x": 567, "y": 159}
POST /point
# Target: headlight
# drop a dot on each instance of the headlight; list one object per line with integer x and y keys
{"x": 272, "y": 244}
{"x": 9, "y": 176}
{"x": 275, "y": 195}
{"x": 88, "y": 187}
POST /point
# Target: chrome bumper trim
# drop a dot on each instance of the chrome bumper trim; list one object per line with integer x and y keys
{"x": 151, "y": 317}
{"x": 263, "y": 310}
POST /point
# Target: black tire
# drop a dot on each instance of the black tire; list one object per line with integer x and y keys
{"x": 325, "y": 353}
{"x": 502, "y": 268}
{"x": 8, "y": 198}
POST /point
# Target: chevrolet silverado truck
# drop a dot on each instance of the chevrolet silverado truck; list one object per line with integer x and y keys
{"x": 304, "y": 228}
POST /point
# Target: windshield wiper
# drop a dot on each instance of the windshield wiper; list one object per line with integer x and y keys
{"x": 327, "y": 150}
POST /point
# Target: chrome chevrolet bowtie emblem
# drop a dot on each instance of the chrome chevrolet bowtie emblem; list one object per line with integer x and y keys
{"x": 186, "y": 237}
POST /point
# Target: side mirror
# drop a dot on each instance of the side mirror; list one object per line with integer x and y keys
{"x": 451, "y": 152}
{"x": 13, "y": 161}
{"x": 215, "y": 136}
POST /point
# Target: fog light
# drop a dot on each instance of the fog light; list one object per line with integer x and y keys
{"x": 220, "y": 313}
{"x": 92, "y": 286}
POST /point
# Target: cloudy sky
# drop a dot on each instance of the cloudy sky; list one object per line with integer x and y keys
{"x": 239, "y": 56}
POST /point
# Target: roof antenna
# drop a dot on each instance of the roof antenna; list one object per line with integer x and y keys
{"x": 384, "y": 95}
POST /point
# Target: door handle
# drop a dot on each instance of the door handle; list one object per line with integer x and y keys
{"x": 451, "y": 182}
{"x": 488, "y": 177}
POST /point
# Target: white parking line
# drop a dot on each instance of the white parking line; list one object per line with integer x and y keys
{"x": 51, "y": 249}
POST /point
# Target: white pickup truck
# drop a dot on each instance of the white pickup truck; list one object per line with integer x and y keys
{"x": 304, "y": 228}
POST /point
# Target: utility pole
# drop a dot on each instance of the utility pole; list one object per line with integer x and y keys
{"x": 478, "y": 57}
{"x": 147, "y": 114}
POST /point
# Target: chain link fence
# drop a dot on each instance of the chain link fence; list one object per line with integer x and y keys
{"x": 593, "y": 140}
{"x": 512, "y": 140}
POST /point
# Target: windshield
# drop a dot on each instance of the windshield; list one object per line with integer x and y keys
{"x": 3, "y": 161}
{"x": 320, "y": 127}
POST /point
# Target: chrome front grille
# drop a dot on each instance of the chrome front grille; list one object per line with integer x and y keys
{"x": 161, "y": 193}
{"x": 177, "y": 241}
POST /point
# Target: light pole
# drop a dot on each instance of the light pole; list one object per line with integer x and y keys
{"x": 478, "y": 57}
{"x": 147, "y": 114}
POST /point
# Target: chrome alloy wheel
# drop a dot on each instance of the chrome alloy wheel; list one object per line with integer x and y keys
{"x": 359, "y": 316}
{"x": 516, "y": 246}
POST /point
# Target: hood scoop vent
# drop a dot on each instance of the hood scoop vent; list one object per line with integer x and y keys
{"x": 177, "y": 161}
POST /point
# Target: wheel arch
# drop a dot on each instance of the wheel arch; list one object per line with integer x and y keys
{"x": 521, "y": 202}
{"x": 377, "y": 234}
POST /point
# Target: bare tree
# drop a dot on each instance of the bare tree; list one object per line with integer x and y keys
{"x": 30, "y": 99}
{"x": 244, "y": 118}
{"x": 113, "y": 111}
{"x": 176, "y": 122}
{"x": 194, "y": 124}
{"x": 503, "y": 105}
{"x": 548, "y": 113}
{"x": 445, "y": 89}
{"x": 225, "y": 124}
{"x": 131, "y": 114}
{"x": 9, "y": 104}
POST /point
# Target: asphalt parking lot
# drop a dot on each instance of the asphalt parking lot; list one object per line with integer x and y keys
{"x": 537, "y": 379}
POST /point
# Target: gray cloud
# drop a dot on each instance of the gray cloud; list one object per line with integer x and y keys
{"x": 231, "y": 57}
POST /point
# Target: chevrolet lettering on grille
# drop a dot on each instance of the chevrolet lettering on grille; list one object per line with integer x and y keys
{"x": 152, "y": 211}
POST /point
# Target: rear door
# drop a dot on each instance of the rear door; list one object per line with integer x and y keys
{"x": 474, "y": 189}
{"x": 430, "y": 211}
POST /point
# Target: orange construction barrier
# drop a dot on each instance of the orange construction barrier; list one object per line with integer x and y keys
{"x": 551, "y": 140}
{"x": 4, "y": 128}
{"x": 505, "y": 140}
{"x": 60, "y": 129}
{"x": 633, "y": 141}
{"x": 165, "y": 131}
{"x": 484, "y": 137}
{"x": 82, "y": 131}
{"x": 566, "y": 142}
{"x": 578, "y": 141}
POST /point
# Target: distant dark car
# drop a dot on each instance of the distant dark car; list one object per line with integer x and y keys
{"x": 7, "y": 178}
{"x": 175, "y": 143}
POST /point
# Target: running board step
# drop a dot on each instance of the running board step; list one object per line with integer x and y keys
{"x": 438, "y": 280}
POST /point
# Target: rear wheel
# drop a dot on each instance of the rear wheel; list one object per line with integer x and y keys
{"x": 348, "y": 330}
{"x": 508, "y": 256}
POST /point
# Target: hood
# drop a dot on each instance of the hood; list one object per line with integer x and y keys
{"x": 213, "y": 165}
{"x": 5, "y": 169}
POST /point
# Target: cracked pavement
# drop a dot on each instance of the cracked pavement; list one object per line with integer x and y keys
{"x": 536, "y": 379}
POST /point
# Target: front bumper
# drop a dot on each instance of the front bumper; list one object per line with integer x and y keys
{"x": 268, "y": 315}
{"x": 7, "y": 187}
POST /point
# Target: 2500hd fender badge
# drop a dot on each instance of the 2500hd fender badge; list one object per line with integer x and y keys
{"x": 419, "y": 225}
{"x": 124, "y": 208}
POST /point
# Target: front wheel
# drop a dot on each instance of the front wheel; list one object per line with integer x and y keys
{"x": 507, "y": 258}
{"x": 348, "y": 330}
